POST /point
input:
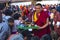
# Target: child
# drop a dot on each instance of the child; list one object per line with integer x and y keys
{"x": 12, "y": 26}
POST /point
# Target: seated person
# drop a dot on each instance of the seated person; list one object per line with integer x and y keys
{"x": 13, "y": 30}
{"x": 12, "y": 26}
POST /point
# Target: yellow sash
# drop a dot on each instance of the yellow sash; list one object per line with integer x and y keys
{"x": 35, "y": 17}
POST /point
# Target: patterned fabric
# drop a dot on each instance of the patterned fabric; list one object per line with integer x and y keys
{"x": 5, "y": 18}
{"x": 57, "y": 21}
{"x": 16, "y": 37}
{"x": 3, "y": 31}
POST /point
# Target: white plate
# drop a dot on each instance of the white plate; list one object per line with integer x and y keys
{"x": 29, "y": 29}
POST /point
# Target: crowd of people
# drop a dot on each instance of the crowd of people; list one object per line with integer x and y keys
{"x": 46, "y": 17}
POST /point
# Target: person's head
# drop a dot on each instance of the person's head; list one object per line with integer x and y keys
{"x": 58, "y": 9}
{"x": 11, "y": 22}
{"x": 21, "y": 20}
{"x": 16, "y": 16}
{"x": 8, "y": 12}
{"x": 53, "y": 10}
{"x": 38, "y": 7}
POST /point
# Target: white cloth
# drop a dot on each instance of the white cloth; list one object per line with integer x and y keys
{"x": 16, "y": 22}
{"x": 58, "y": 24}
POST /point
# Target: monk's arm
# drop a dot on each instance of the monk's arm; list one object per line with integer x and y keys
{"x": 45, "y": 25}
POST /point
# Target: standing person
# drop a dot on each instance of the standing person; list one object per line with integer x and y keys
{"x": 57, "y": 22}
{"x": 29, "y": 15}
{"x": 53, "y": 11}
{"x": 3, "y": 25}
{"x": 7, "y": 14}
{"x": 52, "y": 14}
{"x": 41, "y": 19}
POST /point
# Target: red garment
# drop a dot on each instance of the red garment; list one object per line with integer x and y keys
{"x": 57, "y": 19}
{"x": 40, "y": 22}
{"x": 25, "y": 12}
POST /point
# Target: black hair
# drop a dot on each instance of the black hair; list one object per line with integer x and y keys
{"x": 8, "y": 12}
{"x": 16, "y": 16}
{"x": 52, "y": 8}
{"x": 11, "y": 26}
{"x": 10, "y": 20}
{"x": 38, "y": 4}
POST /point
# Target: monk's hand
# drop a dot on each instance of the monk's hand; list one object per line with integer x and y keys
{"x": 57, "y": 26}
{"x": 39, "y": 27}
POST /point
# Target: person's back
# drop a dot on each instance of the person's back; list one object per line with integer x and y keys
{"x": 16, "y": 37}
{"x": 5, "y": 18}
{"x": 7, "y": 14}
{"x": 3, "y": 31}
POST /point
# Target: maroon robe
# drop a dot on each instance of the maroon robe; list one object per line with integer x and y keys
{"x": 57, "y": 18}
{"x": 40, "y": 22}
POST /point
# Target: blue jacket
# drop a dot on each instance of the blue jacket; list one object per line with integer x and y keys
{"x": 3, "y": 30}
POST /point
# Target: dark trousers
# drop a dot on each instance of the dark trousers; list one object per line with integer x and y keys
{"x": 51, "y": 25}
{"x": 46, "y": 37}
